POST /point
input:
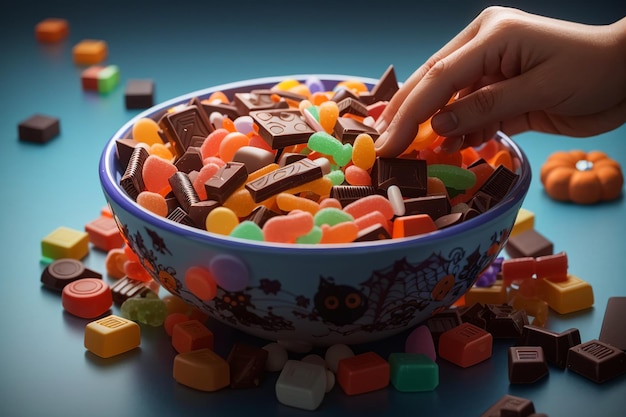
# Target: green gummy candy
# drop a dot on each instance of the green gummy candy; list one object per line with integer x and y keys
{"x": 315, "y": 112}
{"x": 314, "y": 236}
{"x": 248, "y": 229}
{"x": 331, "y": 216}
{"x": 453, "y": 176}
{"x": 146, "y": 310}
{"x": 327, "y": 144}
{"x": 336, "y": 177}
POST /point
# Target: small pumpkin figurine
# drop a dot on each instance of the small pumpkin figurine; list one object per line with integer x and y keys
{"x": 581, "y": 177}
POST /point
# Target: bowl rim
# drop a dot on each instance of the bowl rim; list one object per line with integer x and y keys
{"x": 112, "y": 189}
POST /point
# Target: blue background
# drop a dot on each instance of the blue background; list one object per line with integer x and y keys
{"x": 44, "y": 368}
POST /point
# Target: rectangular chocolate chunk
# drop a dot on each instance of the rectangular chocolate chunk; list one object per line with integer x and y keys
{"x": 139, "y": 94}
{"x": 185, "y": 127}
{"x": 132, "y": 180}
{"x": 526, "y": 364}
{"x": 282, "y": 128}
{"x": 347, "y": 194}
{"x": 528, "y": 243}
{"x": 442, "y": 322}
{"x": 226, "y": 181}
{"x": 351, "y": 105}
{"x": 179, "y": 215}
{"x": 433, "y": 205}
{"x": 126, "y": 288}
{"x": 347, "y": 129}
{"x": 613, "y": 329}
{"x": 597, "y": 361}
{"x": 261, "y": 214}
{"x": 258, "y": 100}
{"x": 183, "y": 190}
{"x": 226, "y": 109}
{"x": 124, "y": 149}
{"x": 247, "y": 365}
{"x": 386, "y": 86}
{"x": 505, "y": 322}
{"x": 494, "y": 189}
{"x": 200, "y": 210}
{"x": 371, "y": 233}
{"x": 191, "y": 160}
{"x": 555, "y": 345}
{"x": 410, "y": 175}
{"x": 38, "y": 128}
{"x": 282, "y": 179}
{"x": 510, "y": 406}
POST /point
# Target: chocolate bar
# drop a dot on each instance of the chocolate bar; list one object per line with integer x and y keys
{"x": 282, "y": 128}
{"x": 226, "y": 181}
{"x": 132, "y": 180}
{"x": 186, "y": 127}
{"x": 183, "y": 190}
{"x": 282, "y": 179}
{"x": 347, "y": 129}
{"x": 410, "y": 175}
{"x": 596, "y": 360}
{"x": 527, "y": 364}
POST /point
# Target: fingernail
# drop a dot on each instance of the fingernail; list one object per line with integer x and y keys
{"x": 380, "y": 125}
{"x": 445, "y": 122}
{"x": 452, "y": 144}
{"x": 381, "y": 140}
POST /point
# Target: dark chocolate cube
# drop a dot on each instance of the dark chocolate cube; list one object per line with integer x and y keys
{"x": 510, "y": 406}
{"x": 191, "y": 160}
{"x": 282, "y": 128}
{"x": 597, "y": 361}
{"x": 371, "y": 233}
{"x": 186, "y": 127}
{"x": 139, "y": 94}
{"x": 347, "y": 194}
{"x": 226, "y": 181}
{"x": 527, "y": 364}
{"x": 347, "y": 129}
{"x": 504, "y": 322}
{"x": 410, "y": 175}
{"x": 555, "y": 345}
{"x": 433, "y": 205}
{"x": 247, "y": 365}
{"x": 38, "y": 128}
{"x": 386, "y": 86}
{"x": 442, "y": 322}
{"x": 529, "y": 243}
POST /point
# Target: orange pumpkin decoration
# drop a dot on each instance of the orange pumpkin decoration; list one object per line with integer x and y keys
{"x": 582, "y": 178}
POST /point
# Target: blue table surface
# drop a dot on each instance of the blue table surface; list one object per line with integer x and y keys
{"x": 44, "y": 367}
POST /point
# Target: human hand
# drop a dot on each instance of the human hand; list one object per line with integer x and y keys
{"x": 513, "y": 71}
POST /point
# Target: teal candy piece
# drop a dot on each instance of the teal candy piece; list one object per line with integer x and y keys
{"x": 331, "y": 216}
{"x": 313, "y": 237}
{"x": 149, "y": 310}
{"x": 336, "y": 177}
{"x": 413, "y": 372}
{"x": 453, "y": 176}
{"x": 248, "y": 229}
{"x": 327, "y": 144}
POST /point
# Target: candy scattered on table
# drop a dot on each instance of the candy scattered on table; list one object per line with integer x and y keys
{"x": 87, "y": 298}
{"x": 38, "y": 128}
{"x": 581, "y": 177}
{"x": 63, "y": 271}
{"x": 65, "y": 242}
{"x": 102, "y": 79}
{"x": 527, "y": 364}
{"x": 90, "y": 52}
{"x": 111, "y": 336}
{"x": 597, "y": 361}
{"x": 139, "y": 94}
{"x": 51, "y": 30}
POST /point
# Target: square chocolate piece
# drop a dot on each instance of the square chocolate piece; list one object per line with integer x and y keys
{"x": 186, "y": 127}
{"x": 526, "y": 364}
{"x": 282, "y": 128}
{"x": 597, "y": 361}
{"x": 347, "y": 129}
{"x": 38, "y": 128}
{"x": 529, "y": 243}
{"x": 613, "y": 329}
{"x": 139, "y": 94}
{"x": 410, "y": 175}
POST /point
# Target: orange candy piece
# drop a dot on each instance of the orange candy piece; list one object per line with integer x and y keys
{"x": 156, "y": 172}
{"x": 465, "y": 345}
{"x": 201, "y": 283}
{"x": 363, "y": 373}
{"x": 153, "y": 202}
{"x": 201, "y": 369}
{"x": 286, "y": 229}
{"x": 413, "y": 225}
{"x": 87, "y": 297}
{"x": 191, "y": 335}
{"x": 90, "y": 52}
{"x": 51, "y": 30}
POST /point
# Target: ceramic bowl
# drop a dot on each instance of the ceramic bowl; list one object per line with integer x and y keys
{"x": 316, "y": 294}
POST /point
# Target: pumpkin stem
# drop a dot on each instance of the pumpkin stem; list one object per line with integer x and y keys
{"x": 584, "y": 165}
